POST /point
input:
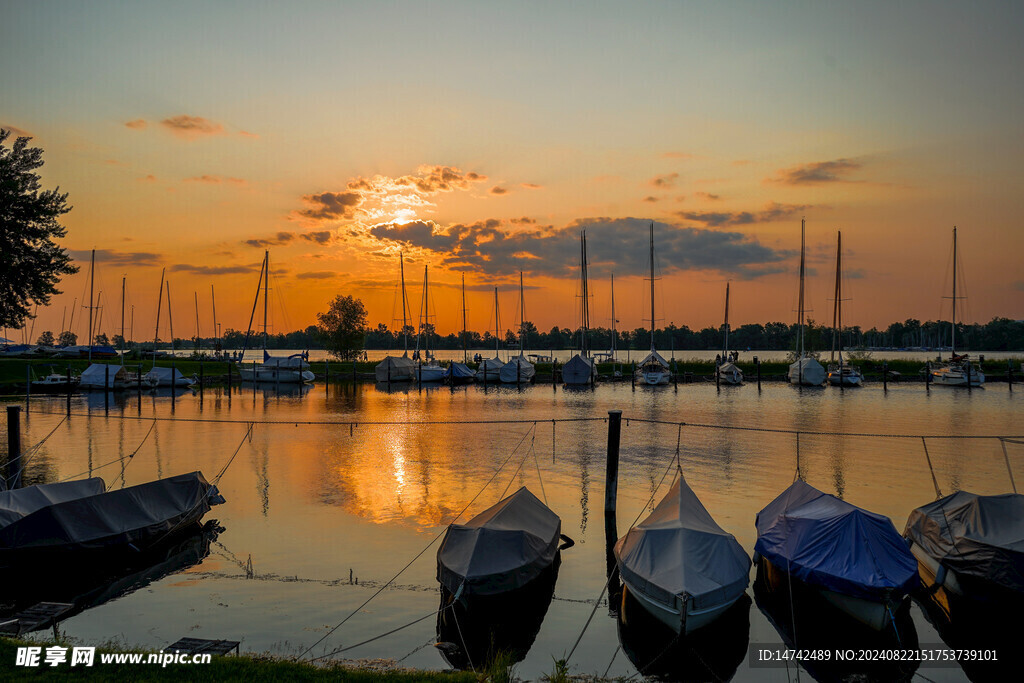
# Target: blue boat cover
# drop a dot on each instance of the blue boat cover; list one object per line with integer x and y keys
{"x": 831, "y": 544}
{"x": 459, "y": 371}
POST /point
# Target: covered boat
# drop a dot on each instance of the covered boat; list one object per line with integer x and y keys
{"x": 853, "y": 558}
{"x": 167, "y": 377}
{"x": 108, "y": 377}
{"x": 489, "y": 369}
{"x": 47, "y": 522}
{"x": 680, "y": 565}
{"x": 503, "y": 548}
{"x": 653, "y": 369}
{"x": 458, "y": 373}
{"x": 971, "y": 545}
{"x": 579, "y": 369}
{"x": 517, "y": 370}
{"x": 395, "y": 369}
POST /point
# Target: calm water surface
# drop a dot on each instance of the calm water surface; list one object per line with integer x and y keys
{"x": 310, "y": 504}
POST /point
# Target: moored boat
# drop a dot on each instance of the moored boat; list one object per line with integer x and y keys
{"x": 680, "y": 565}
{"x": 853, "y": 558}
{"x": 805, "y": 370}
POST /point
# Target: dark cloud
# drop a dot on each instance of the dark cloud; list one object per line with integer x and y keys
{"x": 650, "y": 198}
{"x": 280, "y": 238}
{"x": 709, "y": 196}
{"x": 120, "y": 258}
{"x": 137, "y": 124}
{"x": 497, "y": 189}
{"x": 618, "y": 245}
{"x": 316, "y": 275}
{"x": 819, "y": 172}
{"x": 664, "y": 181}
{"x": 187, "y": 126}
{"x": 434, "y": 179}
{"x": 318, "y": 236}
{"x": 211, "y": 270}
{"x": 332, "y": 205}
{"x": 532, "y": 186}
{"x": 772, "y": 212}
{"x": 523, "y": 220}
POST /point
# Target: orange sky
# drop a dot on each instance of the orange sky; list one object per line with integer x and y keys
{"x": 481, "y": 141}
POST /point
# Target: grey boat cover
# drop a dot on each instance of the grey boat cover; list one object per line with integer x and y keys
{"x": 680, "y": 551}
{"x": 518, "y": 369}
{"x": 579, "y": 370}
{"x": 977, "y": 536}
{"x": 95, "y": 376}
{"x": 18, "y": 503}
{"x": 653, "y": 358}
{"x": 503, "y": 548}
{"x": 395, "y": 369}
{"x": 169, "y": 377}
{"x": 126, "y": 515}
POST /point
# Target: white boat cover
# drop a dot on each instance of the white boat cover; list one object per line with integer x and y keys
{"x": 654, "y": 357}
{"x": 976, "y": 536}
{"x": 18, "y": 503}
{"x": 296, "y": 361}
{"x": 517, "y": 370}
{"x": 680, "y": 551}
{"x": 96, "y": 375}
{"x": 127, "y": 515}
{"x": 579, "y": 370}
{"x": 806, "y": 370}
{"x": 503, "y": 548}
{"x": 491, "y": 366}
{"x": 395, "y": 369}
{"x": 166, "y": 377}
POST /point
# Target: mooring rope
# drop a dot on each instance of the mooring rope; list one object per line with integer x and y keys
{"x": 1009, "y": 470}
{"x": 31, "y": 450}
{"x": 132, "y": 455}
{"x": 935, "y": 482}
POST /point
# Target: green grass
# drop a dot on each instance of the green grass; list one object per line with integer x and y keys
{"x": 246, "y": 668}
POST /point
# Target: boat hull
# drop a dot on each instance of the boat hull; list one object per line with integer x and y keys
{"x": 848, "y": 377}
{"x": 654, "y": 378}
{"x": 730, "y": 374}
{"x": 956, "y": 377}
{"x": 430, "y": 373}
{"x": 694, "y": 619}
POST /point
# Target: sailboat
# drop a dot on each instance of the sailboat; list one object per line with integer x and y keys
{"x": 489, "y": 369}
{"x": 398, "y": 368}
{"x": 519, "y": 369}
{"x": 164, "y": 377}
{"x": 99, "y": 375}
{"x": 806, "y": 370}
{"x": 581, "y": 368}
{"x": 958, "y": 372}
{"x": 840, "y": 374}
{"x": 291, "y": 369}
{"x": 459, "y": 373}
{"x": 727, "y": 370}
{"x": 653, "y": 369}
{"x": 431, "y": 370}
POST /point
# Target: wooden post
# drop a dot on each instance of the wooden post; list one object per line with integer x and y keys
{"x": 757, "y": 363}
{"x": 229, "y": 377}
{"x": 968, "y": 376}
{"x": 106, "y": 388}
{"x": 633, "y": 376}
{"x": 885, "y": 376}
{"x": 174, "y": 381}
{"x": 69, "y": 388}
{"x": 552, "y": 369}
{"x": 254, "y": 380}
{"x": 200, "y": 379}
{"x": 718, "y": 380}
{"x": 28, "y": 385}
{"x": 927, "y": 375}
{"x": 611, "y": 479}
{"x": 13, "y": 472}
{"x": 1009, "y": 374}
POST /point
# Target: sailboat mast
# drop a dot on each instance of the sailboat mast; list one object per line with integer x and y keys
{"x": 159, "y": 306}
{"x": 522, "y": 313}
{"x": 401, "y": 271}
{"x": 266, "y": 289}
{"x": 122, "y": 319}
{"x": 465, "y": 345}
{"x": 196, "y": 297}
{"x": 421, "y": 328}
{"x": 426, "y": 314}
{"x": 170, "y": 319}
{"x": 585, "y": 332}
{"x": 836, "y": 305}
{"x": 725, "y": 349}
{"x": 213, "y": 301}
{"x": 92, "y": 278}
{"x": 800, "y": 304}
{"x": 614, "y": 332}
{"x": 496, "y": 323}
{"x": 952, "y": 337}
{"x": 839, "y": 298}
{"x": 652, "y": 286}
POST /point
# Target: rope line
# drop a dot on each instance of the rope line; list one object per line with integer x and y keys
{"x": 409, "y": 564}
{"x": 1009, "y": 470}
{"x": 935, "y": 482}
{"x": 704, "y": 425}
{"x": 132, "y": 455}
{"x": 31, "y": 450}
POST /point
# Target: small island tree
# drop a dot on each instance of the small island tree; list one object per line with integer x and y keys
{"x": 342, "y": 329}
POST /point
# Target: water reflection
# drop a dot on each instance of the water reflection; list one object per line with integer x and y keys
{"x": 91, "y": 585}
{"x": 475, "y": 630}
{"x": 805, "y": 621}
{"x": 712, "y": 653}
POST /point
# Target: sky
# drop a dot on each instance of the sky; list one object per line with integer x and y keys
{"x": 479, "y": 139}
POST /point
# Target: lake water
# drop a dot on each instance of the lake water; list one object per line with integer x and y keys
{"x": 328, "y": 513}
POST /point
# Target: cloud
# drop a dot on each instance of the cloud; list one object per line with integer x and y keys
{"x": 666, "y": 180}
{"x": 709, "y": 196}
{"x": 1018, "y": 285}
{"x": 498, "y": 190}
{"x": 192, "y": 127}
{"x": 532, "y": 186}
{"x": 651, "y": 199}
{"x": 137, "y": 124}
{"x": 331, "y": 205}
{"x": 523, "y": 220}
{"x": 818, "y": 172}
{"x": 15, "y": 131}
{"x": 772, "y": 212}
{"x": 247, "y": 134}
{"x": 615, "y": 245}
{"x": 211, "y": 270}
{"x": 120, "y": 258}
{"x": 147, "y": 179}
{"x": 214, "y": 180}
{"x": 280, "y": 238}
{"x": 316, "y": 275}
{"x": 319, "y": 236}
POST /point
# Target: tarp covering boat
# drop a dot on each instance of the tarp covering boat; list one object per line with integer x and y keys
{"x": 679, "y": 550}
{"x": 166, "y": 377}
{"x": 98, "y": 376}
{"x": 579, "y": 370}
{"x": 976, "y": 536}
{"x": 832, "y": 544}
{"x": 517, "y": 370}
{"x": 501, "y": 549}
{"x": 127, "y": 515}
{"x": 490, "y": 369}
{"x": 458, "y": 372}
{"x": 18, "y": 503}
{"x": 395, "y": 369}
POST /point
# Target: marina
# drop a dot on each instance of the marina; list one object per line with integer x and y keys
{"x": 339, "y": 486}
